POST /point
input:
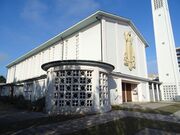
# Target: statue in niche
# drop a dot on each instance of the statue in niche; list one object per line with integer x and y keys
{"x": 129, "y": 56}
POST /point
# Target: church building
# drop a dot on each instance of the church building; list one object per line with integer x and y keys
{"x": 98, "y": 62}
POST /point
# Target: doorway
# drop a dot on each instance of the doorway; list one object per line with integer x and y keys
{"x": 126, "y": 92}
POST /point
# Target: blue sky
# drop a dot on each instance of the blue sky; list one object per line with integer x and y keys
{"x": 25, "y": 24}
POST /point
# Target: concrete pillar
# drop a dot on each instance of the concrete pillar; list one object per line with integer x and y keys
{"x": 104, "y": 44}
{"x": 157, "y": 89}
{"x": 162, "y": 92}
{"x": 50, "y": 92}
{"x": 153, "y": 92}
{"x": 33, "y": 98}
{"x": 95, "y": 82}
{"x": 125, "y": 93}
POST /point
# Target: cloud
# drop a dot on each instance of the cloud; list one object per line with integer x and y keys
{"x": 76, "y": 7}
{"x": 3, "y": 57}
{"x": 34, "y": 11}
{"x": 56, "y": 11}
{"x": 68, "y": 12}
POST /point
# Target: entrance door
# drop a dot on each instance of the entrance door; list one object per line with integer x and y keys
{"x": 126, "y": 92}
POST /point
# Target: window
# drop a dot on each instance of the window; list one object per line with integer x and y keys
{"x": 73, "y": 88}
{"x": 169, "y": 92}
{"x": 158, "y": 4}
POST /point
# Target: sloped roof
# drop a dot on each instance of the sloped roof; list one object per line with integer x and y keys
{"x": 85, "y": 22}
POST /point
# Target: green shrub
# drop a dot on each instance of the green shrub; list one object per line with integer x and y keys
{"x": 20, "y": 103}
{"x": 39, "y": 104}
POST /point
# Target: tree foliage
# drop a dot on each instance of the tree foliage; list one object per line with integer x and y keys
{"x": 2, "y": 79}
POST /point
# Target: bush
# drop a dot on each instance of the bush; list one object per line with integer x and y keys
{"x": 39, "y": 104}
{"x": 20, "y": 103}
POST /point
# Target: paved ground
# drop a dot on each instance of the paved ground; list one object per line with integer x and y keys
{"x": 176, "y": 114}
{"x": 14, "y": 115}
{"x": 89, "y": 121}
{"x": 148, "y": 131}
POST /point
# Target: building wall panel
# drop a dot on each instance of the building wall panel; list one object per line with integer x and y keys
{"x": 90, "y": 43}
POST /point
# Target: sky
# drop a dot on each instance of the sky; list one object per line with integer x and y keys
{"x": 25, "y": 24}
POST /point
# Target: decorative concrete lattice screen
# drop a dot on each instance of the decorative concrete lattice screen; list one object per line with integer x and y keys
{"x": 73, "y": 88}
{"x": 170, "y": 91}
{"x": 103, "y": 89}
{"x": 77, "y": 86}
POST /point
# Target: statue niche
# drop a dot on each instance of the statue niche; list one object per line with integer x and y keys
{"x": 129, "y": 55}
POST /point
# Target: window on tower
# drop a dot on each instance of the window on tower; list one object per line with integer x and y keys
{"x": 158, "y": 4}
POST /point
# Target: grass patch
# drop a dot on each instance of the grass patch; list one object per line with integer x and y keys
{"x": 128, "y": 126}
{"x": 166, "y": 110}
{"x": 9, "y": 128}
{"x": 170, "y": 109}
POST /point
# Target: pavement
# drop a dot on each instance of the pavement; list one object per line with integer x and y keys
{"x": 70, "y": 126}
{"x": 176, "y": 114}
{"x": 90, "y": 121}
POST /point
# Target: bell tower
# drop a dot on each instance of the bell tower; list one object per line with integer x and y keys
{"x": 165, "y": 50}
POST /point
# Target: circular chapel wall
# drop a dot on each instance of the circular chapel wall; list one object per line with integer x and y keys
{"x": 77, "y": 87}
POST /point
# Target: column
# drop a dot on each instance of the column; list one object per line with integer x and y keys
{"x": 49, "y": 93}
{"x": 157, "y": 88}
{"x": 104, "y": 45}
{"x": 33, "y": 98}
{"x": 95, "y": 88}
{"x": 153, "y": 92}
{"x": 125, "y": 92}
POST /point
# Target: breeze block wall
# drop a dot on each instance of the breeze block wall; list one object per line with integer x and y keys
{"x": 77, "y": 87}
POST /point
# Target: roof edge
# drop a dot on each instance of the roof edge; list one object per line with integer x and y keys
{"x": 113, "y": 16}
{"x": 49, "y": 42}
{"x": 48, "y": 65}
{"x": 81, "y": 24}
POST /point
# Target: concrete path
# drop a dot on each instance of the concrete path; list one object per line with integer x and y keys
{"x": 176, "y": 114}
{"x": 90, "y": 121}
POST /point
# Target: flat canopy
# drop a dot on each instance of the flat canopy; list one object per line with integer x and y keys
{"x": 106, "y": 66}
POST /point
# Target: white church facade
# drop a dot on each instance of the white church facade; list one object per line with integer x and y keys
{"x": 98, "y": 62}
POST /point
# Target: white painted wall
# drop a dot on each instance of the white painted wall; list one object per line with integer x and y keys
{"x": 115, "y": 89}
{"x": 134, "y": 93}
{"x": 38, "y": 89}
{"x": 90, "y": 43}
{"x": 114, "y": 48}
{"x": 18, "y": 90}
{"x": 85, "y": 45}
{"x": 5, "y": 91}
{"x": 143, "y": 92}
{"x": 31, "y": 67}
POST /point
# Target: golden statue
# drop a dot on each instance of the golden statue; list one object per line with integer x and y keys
{"x": 129, "y": 56}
